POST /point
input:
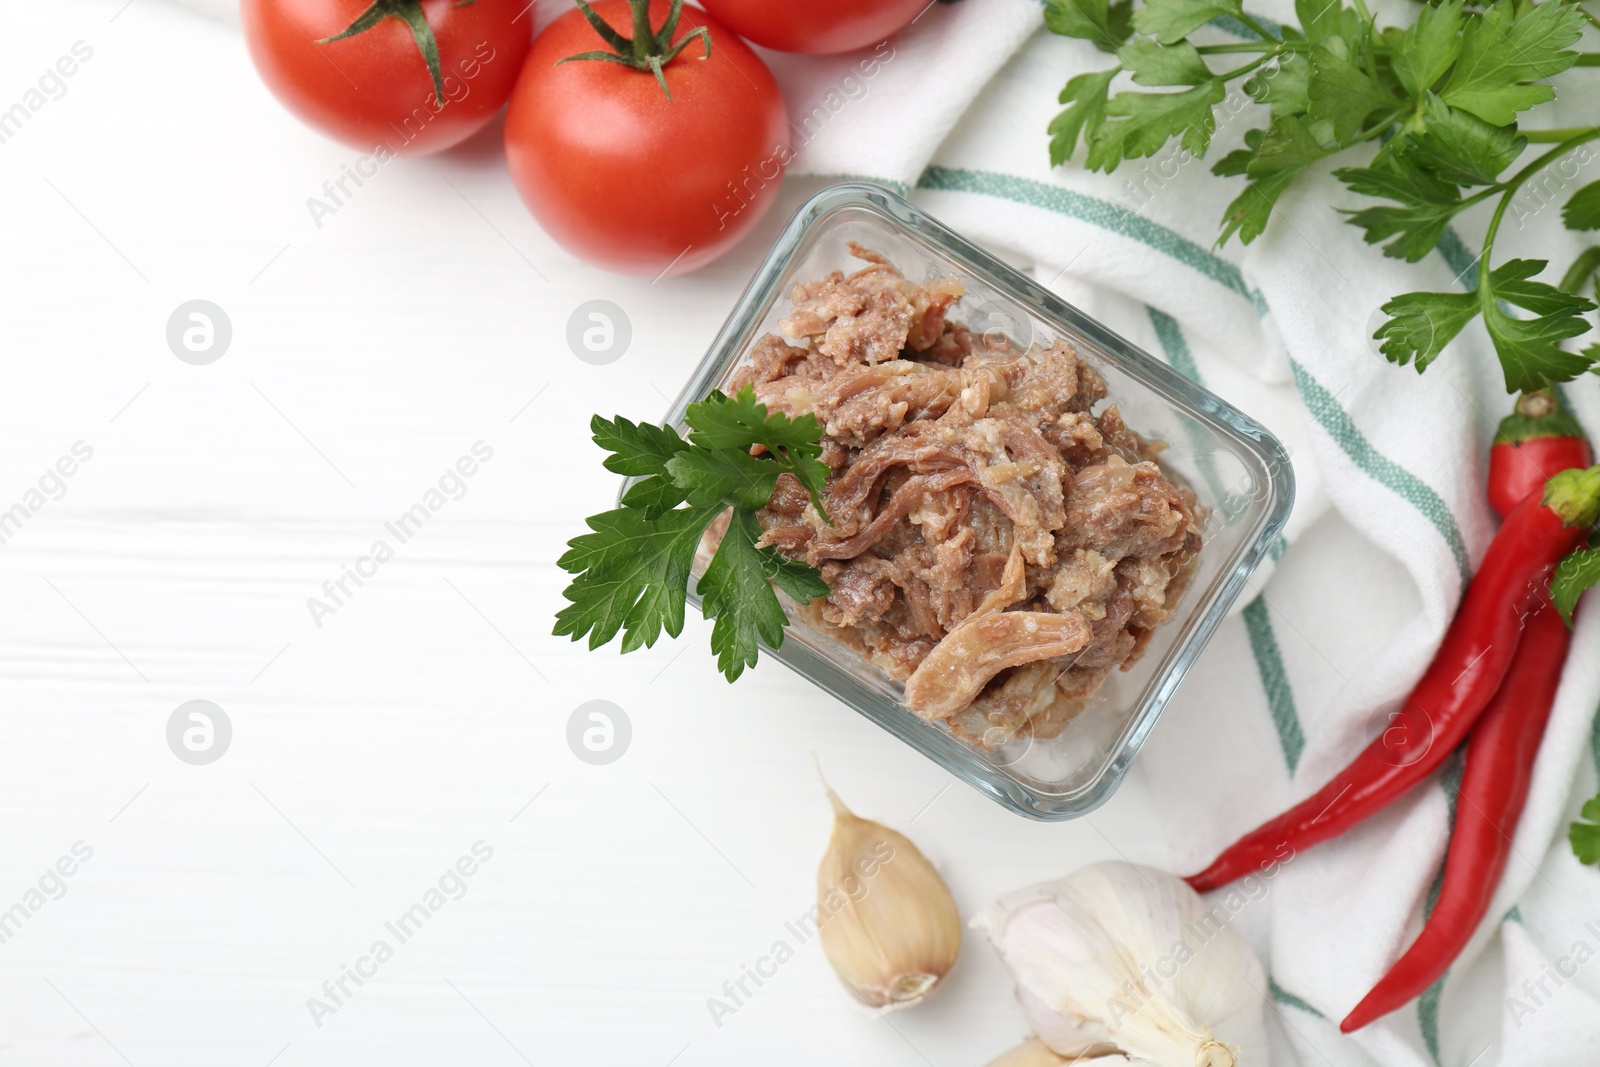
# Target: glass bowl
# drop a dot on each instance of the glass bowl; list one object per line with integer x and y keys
{"x": 1238, "y": 470}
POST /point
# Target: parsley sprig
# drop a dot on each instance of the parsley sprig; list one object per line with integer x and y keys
{"x": 1441, "y": 98}
{"x": 631, "y": 571}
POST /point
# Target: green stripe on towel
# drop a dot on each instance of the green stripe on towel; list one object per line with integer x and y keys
{"x": 1263, "y": 642}
{"x": 1102, "y": 213}
{"x": 1275, "y": 680}
{"x": 1428, "y": 1002}
{"x": 1428, "y": 1018}
{"x": 1176, "y": 349}
{"x": 1383, "y": 470}
{"x": 1282, "y": 996}
{"x": 1459, "y": 258}
{"x": 1170, "y": 334}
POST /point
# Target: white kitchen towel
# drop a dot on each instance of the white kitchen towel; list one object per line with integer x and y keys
{"x": 1389, "y": 519}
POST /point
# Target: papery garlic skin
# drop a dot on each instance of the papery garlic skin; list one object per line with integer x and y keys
{"x": 891, "y": 930}
{"x": 1122, "y": 955}
{"x": 1031, "y": 1053}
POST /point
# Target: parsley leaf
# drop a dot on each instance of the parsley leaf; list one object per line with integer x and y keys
{"x": 1501, "y": 54}
{"x": 1289, "y": 144}
{"x": 632, "y": 575}
{"x": 1582, "y": 211}
{"x": 1529, "y": 349}
{"x": 709, "y": 476}
{"x": 1512, "y": 283}
{"x": 1323, "y": 18}
{"x": 1426, "y": 206}
{"x": 1140, "y": 123}
{"x": 1585, "y": 835}
{"x": 1155, "y": 64}
{"x": 1102, "y": 22}
{"x": 793, "y": 577}
{"x": 1421, "y": 324}
{"x": 1170, "y": 21}
{"x": 740, "y": 423}
{"x": 1577, "y": 573}
{"x": 1416, "y": 227}
{"x": 1458, "y": 147}
{"x": 1086, "y": 94}
{"x": 631, "y": 571}
{"x": 653, "y": 496}
{"x": 1429, "y": 46}
{"x": 1272, "y": 158}
{"x": 637, "y": 449}
{"x": 1284, "y": 85}
{"x": 640, "y": 450}
{"x": 737, "y": 591}
{"x": 1238, "y": 161}
{"x": 1342, "y": 94}
{"x": 1251, "y": 210}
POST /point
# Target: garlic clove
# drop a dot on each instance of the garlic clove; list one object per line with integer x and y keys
{"x": 887, "y": 922}
{"x": 1075, "y": 1038}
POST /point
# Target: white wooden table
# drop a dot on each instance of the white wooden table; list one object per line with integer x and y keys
{"x": 429, "y": 711}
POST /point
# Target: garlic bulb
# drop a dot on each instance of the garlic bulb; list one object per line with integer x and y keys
{"x": 1125, "y": 956}
{"x": 887, "y": 922}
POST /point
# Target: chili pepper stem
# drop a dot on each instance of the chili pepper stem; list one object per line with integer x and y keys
{"x": 1537, "y": 414}
{"x": 1575, "y": 496}
{"x": 1536, "y": 404}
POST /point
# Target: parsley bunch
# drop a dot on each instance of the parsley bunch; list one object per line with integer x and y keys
{"x": 1440, "y": 97}
{"x": 631, "y": 571}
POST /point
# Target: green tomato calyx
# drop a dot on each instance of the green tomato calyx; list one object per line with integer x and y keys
{"x": 410, "y": 13}
{"x": 648, "y": 49}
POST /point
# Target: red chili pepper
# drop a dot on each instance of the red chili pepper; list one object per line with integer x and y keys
{"x": 1494, "y": 786}
{"x": 1465, "y": 673}
{"x": 1535, "y": 441}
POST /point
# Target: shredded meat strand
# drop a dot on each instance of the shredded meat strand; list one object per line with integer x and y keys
{"x": 961, "y": 665}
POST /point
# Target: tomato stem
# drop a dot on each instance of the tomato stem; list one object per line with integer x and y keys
{"x": 647, "y": 49}
{"x": 409, "y": 12}
{"x": 643, "y": 36}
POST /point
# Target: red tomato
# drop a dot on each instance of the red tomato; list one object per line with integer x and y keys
{"x": 626, "y": 178}
{"x": 374, "y": 87}
{"x": 816, "y": 27}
